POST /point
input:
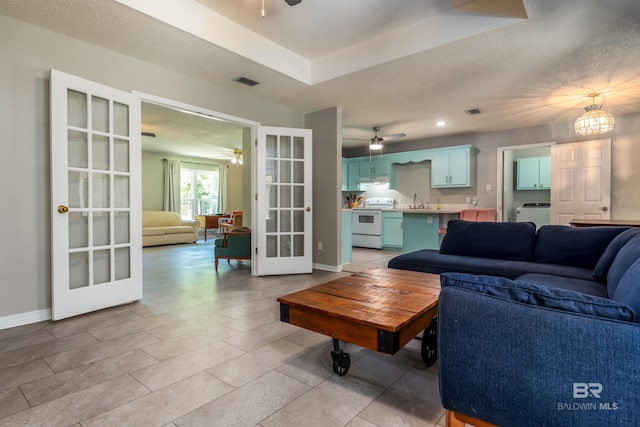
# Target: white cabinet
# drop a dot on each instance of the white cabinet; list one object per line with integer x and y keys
{"x": 452, "y": 168}
{"x": 534, "y": 173}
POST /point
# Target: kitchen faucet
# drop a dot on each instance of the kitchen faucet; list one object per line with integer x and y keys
{"x": 415, "y": 201}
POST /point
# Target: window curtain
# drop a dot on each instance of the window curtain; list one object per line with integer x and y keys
{"x": 222, "y": 189}
{"x": 171, "y": 196}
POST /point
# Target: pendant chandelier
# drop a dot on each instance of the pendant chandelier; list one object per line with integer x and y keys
{"x": 594, "y": 121}
{"x": 237, "y": 157}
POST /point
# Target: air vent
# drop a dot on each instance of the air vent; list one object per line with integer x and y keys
{"x": 247, "y": 81}
{"x": 473, "y": 111}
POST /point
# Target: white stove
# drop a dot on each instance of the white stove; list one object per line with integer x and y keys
{"x": 377, "y": 203}
{"x": 366, "y": 227}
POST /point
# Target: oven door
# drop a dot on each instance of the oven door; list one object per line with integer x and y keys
{"x": 367, "y": 222}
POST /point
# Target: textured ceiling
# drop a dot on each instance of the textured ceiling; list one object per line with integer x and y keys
{"x": 399, "y": 65}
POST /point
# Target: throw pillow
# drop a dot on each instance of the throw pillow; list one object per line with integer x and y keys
{"x": 541, "y": 296}
{"x": 625, "y": 258}
{"x": 603, "y": 265}
{"x": 573, "y": 246}
{"x": 501, "y": 240}
{"x": 628, "y": 290}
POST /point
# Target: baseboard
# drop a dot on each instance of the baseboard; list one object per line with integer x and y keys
{"x": 325, "y": 267}
{"x": 25, "y": 318}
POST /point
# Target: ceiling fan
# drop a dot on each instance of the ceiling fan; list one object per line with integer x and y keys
{"x": 375, "y": 143}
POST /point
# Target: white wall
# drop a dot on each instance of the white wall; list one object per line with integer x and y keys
{"x": 27, "y": 53}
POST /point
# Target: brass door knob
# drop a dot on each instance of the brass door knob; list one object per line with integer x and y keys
{"x": 63, "y": 209}
{"x": 308, "y": 209}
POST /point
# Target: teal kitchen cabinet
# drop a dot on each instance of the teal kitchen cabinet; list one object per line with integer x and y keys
{"x": 420, "y": 231}
{"x": 534, "y": 173}
{"x": 392, "y": 230}
{"x": 346, "y": 237}
{"x": 377, "y": 166}
{"x": 353, "y": 175}
{"x": 452, "y": 167}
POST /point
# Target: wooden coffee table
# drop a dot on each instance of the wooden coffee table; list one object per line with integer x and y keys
{"x": 381, "y": 309}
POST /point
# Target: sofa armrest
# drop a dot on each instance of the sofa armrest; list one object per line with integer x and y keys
{"x": 191, "y": 222}
{"x": 511, "y": 363}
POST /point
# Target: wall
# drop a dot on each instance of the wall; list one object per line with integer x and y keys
{"x": 327, "y": 183}
{"x": 625, "y": 156}
{"x": 27, "y": 53}
{"x": 153, "y": 179}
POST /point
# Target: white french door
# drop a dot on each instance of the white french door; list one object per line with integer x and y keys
{"x": 283, "y": 214}
{"x": 96, "y": 196}
{"x": 580, "y": 181}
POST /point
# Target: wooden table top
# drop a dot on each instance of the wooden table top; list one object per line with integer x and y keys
{"x": 387, "y": 299}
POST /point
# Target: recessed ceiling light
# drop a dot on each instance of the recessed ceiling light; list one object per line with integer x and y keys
{"x": 441, "y": 123}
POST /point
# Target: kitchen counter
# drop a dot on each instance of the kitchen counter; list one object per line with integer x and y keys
{"x": 428, "y": 211}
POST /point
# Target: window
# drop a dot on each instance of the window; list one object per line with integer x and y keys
{"x": 198, "y": 192}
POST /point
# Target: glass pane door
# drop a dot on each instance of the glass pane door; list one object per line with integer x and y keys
{"x": 284, "y": 201}
{"x": 95, "y": 174}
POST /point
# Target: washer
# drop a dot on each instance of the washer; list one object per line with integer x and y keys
{"x": 538, "y": 213}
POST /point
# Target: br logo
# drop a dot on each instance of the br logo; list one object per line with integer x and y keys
{"x": 584, "y": 390}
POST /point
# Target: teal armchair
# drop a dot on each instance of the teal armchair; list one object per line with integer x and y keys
{"x": 232, "y": 246}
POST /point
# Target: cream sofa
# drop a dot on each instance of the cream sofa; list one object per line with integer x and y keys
{"x": 165, "y": 228}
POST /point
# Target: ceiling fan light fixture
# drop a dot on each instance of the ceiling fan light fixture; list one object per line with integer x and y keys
{"x": 376, "y": 143}
{"x": 594, "y": 121}
{"x": 237, "y": 157}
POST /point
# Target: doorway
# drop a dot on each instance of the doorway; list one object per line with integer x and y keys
{"x": 212, "y": 138}
{"x": 508, "y": 196}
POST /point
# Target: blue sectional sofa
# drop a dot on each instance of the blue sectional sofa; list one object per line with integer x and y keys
{"x": 537, "y": 329}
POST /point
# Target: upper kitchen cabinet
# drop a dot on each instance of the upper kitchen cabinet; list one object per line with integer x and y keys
{"x": 352, "y": 172}
{"x": 377, "y": 166}
{"x": 534, "y": 173}
{"x": 453, "y": 167}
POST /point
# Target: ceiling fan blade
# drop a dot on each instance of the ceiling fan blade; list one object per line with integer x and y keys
{"x": 150, "y": 134}
{"x": 394, "y": 136}
{"x": 356, "y": 139}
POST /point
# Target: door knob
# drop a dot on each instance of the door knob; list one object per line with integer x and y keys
{"x": 604, "y": 209}
{"x": 308, "y": 209}
{"x": 63, "y": 209}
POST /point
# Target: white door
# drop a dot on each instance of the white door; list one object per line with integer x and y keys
{"x": 284, "y": 215}
{"x": 580, "y": 181}
{"x": 96, "y": 198}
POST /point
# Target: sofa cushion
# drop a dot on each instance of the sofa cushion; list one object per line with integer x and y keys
{"x": 628, "y": 289}
{"x": 502, "y": 240}
{"x": 160, "y": 218}
{"x": 542, "y": 296}
{"x": 585, "y": 286}
{"x": 153, "y": 231}
{"x": 432, "y": 261}
{"x": 626, "y": 256}
{"x": 179, "y": 229}
{"x": 604, "y": 263}
{"x": 578, "y": 247}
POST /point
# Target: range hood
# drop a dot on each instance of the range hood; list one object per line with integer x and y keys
{"x": 374, "y": 180}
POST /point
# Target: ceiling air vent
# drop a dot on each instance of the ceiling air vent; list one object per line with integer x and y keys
{"x": 473, "y": 111}
{"x": 247, "y": 81}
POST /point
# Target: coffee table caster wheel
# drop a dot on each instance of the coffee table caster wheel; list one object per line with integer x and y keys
{"x": 429, "y": 348}
{"x": 341, "y": 362}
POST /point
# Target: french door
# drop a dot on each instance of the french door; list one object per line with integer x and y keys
{"x": 96, "y": 196}
{"x": 284, "y": 216}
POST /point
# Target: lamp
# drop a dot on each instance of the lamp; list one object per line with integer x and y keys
{"x": 594, "y": 121}
{"x": 237, "y": 157}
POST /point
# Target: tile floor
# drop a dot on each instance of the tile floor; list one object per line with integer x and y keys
{"x": 207, "y": 349}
